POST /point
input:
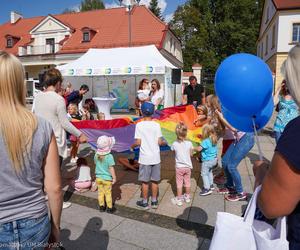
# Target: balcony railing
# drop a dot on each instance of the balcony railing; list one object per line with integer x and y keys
{"x": 39, "y": 50}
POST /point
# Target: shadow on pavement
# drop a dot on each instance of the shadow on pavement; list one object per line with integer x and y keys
{"x": 201, "y": 230}
{"x": 91, "y": 238}
{"x": 255, "y": 157}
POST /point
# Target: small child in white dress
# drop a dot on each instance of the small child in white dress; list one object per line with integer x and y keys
{"x": 83, "y": 180}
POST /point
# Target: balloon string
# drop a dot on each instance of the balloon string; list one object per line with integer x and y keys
{"x": 257, "y": 141}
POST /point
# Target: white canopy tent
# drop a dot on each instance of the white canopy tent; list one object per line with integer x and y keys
{"x": 119, "y": 70}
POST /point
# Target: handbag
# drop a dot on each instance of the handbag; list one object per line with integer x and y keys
{"x": 233, "y": 232}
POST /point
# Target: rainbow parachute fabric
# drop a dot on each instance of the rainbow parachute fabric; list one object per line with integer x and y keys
{"x": 123, "y": 128}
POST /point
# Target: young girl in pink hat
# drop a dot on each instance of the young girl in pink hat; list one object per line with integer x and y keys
{"x": 105, "y": 172}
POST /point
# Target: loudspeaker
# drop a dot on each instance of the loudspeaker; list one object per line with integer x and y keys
{"x": 41, "y": 78}
{"x": 176, "y": 76}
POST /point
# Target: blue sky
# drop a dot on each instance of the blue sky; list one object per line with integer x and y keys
{"x": 30, "y": 8}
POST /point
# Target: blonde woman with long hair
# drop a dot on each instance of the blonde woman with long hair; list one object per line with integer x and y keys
{"x": 280, "y": 192}
{"x": 29, "y": 164}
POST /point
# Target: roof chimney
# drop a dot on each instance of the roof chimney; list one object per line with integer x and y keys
{"x": 14, "y": 17}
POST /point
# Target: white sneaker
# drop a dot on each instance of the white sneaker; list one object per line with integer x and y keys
{"x": 66, "y": 204}
{"x": 176, "y": 201}
{"x": 187, "y": 198}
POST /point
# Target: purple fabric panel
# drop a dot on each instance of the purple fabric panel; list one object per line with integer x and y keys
{"x": 124, "y": 136}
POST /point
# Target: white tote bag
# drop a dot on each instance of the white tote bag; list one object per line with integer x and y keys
{"x": 233, "y": 232}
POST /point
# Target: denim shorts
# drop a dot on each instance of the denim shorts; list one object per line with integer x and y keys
{"x": 25, "y": 234}
{"x": 149, "y": 172}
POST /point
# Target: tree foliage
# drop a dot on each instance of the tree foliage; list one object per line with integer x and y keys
{"x": 153, "y": 6}
{"x": 91, "y": 5}
{"x": 68, "y": 10}
{"x": 211, "y": 30}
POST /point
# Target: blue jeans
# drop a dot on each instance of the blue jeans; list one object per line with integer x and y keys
{"x": 206, "y": 172}
{"x": 25, "y": 234}
{"x": 234, "y": 155}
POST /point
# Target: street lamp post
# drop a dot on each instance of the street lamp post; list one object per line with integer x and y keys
{"x": 129, "y": 5}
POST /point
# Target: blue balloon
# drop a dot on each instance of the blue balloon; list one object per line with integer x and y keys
{"x": 244, "y": 123}
{"x": 244, "y": 84}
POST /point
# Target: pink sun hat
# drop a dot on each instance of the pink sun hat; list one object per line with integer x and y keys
{"x": 105, "y": 144}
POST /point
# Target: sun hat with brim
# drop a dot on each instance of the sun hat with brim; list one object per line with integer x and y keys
{"x": 105, "y": 144}
{"x": 147, "y": 108}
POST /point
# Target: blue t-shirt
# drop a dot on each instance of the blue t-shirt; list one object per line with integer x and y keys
{"x": 288, "y": 147}
{"x": 288, "y": 110}
{"x": 102, "y": 167}
{"x": 209, "y": 151}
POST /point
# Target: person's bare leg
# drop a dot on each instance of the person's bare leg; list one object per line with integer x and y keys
{"x": 188, "y": 190}
{"x": 145, "y": 189}
{"x": 179, "y": 192}
{"x": 154, "y": 190}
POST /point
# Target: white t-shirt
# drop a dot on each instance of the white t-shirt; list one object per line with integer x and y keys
{"x": 84, "y": 174}
{"x": 158, "y": 94}
{"x": 143, "y": 94}
{"x": 148, "y": 132}
{"x": 182, "y": 154}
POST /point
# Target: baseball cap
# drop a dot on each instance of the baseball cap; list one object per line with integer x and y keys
{"x": 147, "y": 108}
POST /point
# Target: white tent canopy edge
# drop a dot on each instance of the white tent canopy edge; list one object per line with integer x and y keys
{"x": 118, "y": 61}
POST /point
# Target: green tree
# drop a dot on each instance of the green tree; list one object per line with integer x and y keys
{"x": 211, "y": 30}
{"x": 91, "y": 5}
{"x": 68, "y": 10}
{"x": 153, "y": 6}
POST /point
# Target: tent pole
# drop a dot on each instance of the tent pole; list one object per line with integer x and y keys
{"x": 107, "y": 85}
{"x": 174, "y": 94}
{"x": 93, "y": 86}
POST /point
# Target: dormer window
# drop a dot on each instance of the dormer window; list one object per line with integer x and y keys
{"x": 9, "y": 42}
{"x": 86, "y": 36}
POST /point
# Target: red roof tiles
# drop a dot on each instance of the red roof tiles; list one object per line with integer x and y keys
{"x": 111, "y": 26}
{"x": 287, "y": 4}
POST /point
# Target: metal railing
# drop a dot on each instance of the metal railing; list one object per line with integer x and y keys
{"x": 39, "y": 50}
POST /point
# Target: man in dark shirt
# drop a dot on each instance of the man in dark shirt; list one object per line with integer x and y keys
{"x": 193, "y": 93}
{"x": 77, "y": 95}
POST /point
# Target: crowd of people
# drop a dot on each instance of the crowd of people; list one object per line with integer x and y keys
{"x": 33, "y": 146}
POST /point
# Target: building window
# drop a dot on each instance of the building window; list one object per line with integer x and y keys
{"x": 273, "y": 37}
{"x": 171, "y": 45}
{"x": 86, "y": 36}
{"x": 51, "y": 45}
{"x": 267, "y": 47}
{"x": 9, "y": 42}
{"x": 296, "y": 32}
{"x": 262, "y": 50}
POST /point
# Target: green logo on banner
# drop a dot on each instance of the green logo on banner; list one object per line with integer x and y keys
{"x": 107, "y": 71}
{"x": 88, "y": 71}
{"x": 149, "y": 69}
{"x": 71, "y": 72}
